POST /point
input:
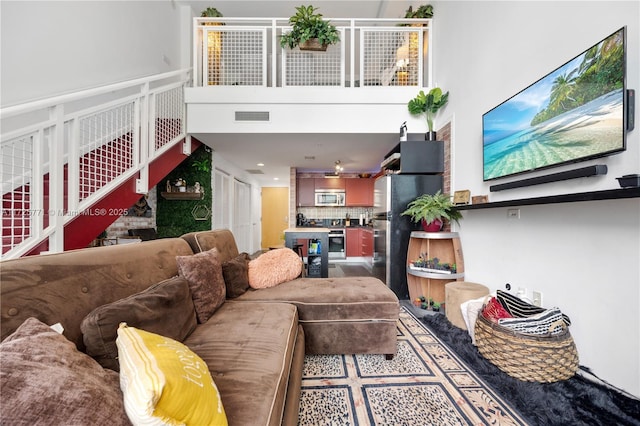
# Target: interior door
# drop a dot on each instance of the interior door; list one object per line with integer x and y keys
{"x": 275, "y": 216}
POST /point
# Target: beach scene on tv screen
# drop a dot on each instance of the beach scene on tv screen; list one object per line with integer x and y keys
{"x": 575, "y": 112}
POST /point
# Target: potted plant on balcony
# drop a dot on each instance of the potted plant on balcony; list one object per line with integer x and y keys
{"x": 211, "y": 12}
{"x": 423, "y": 12}
{"x": 309, "y": 31}
{"x": 432, "y": 210}
{"x": 428, "y": 104}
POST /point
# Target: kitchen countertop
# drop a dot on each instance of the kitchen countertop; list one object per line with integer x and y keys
{"x": 307, "y": 229}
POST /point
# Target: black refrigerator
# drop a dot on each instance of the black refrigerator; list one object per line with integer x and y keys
{"x": 391, "y": 230}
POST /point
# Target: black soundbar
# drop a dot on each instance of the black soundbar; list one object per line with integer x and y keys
{"x": 631, "y": 109}
{"x": 598, "y": 169}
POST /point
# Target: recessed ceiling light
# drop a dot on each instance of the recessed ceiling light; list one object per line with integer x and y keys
{"x": 276, "y": 178}
{"x": 260, "y": 164}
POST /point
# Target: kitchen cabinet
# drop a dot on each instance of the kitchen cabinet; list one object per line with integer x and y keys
{"x": 366, "y": 239}
{"x": 353, "y": 242}
{"x": 416, "y": 156}
{"x": 359, "y": 242}
{"x": 330, "y": 183}
{"x": 359, "y": 192}
{"x": 305, "y": 188}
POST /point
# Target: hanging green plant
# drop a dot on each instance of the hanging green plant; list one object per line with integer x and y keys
{"x": 309, "y": 28}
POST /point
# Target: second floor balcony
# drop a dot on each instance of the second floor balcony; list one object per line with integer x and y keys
{"x": 245, "y": 82}
{"x": 371, "y": 53}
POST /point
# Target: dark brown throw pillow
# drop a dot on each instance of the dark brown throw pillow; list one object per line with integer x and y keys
{"x": 203, "y": 271}
{"x": 236, "y": 275}
{"x": 165, "y": 308}
{"x": 44, "y": 378}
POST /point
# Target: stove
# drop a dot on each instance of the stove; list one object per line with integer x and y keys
{"x": 337, "y": 243}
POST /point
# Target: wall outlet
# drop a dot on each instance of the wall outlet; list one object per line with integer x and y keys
{"x": 522, "y": 292}
{"x": 537, "y": 298}
{"x": 513, "y": 213}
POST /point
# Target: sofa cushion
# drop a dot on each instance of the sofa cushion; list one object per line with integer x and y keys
{"x": 164, "y": 382}
{"x": 236, "y": 275}
{"x": 249, "y": 348}
{"x": 342, "y": 315}
{"x": 203, "y": 271}
{"x": 45, "y": 379}
{"x": 165, "y": 308}
{"x": 222, "y": 239}
{"x": 274, "y": 267}
{"x": 333, "y": 299}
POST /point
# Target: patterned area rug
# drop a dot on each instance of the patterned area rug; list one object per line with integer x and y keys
{"x": 425, "y": 384}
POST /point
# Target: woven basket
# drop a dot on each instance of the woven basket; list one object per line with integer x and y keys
{"x": 313, "y": 44}
{"x": 542, "y": 359}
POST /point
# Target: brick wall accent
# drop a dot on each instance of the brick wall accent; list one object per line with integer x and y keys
{"x": 120, "y": 228}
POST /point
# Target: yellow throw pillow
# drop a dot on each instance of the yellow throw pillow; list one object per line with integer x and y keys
{"x": 164, "y": 382}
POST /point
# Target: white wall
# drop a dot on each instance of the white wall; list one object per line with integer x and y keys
{"x": 53, "y": 47}
{"x": 584, "y": 257}
{"x": 234, "y": 172}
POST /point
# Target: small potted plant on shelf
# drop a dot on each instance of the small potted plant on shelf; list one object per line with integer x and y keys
{"x": 310, "y": 31}
{"x": 435, "y": 306}
{"x": 428, "y": 104}
{"x": 432, "y": 210}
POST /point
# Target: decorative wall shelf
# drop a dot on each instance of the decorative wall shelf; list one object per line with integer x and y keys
{"x": 182, "y": 195}
{"x": 609, "y": 194}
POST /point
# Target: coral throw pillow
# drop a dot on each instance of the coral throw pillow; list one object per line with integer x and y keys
{"x": 274, "y": 267}
{"x": 203, "y": 271}
{"x": 164, "y": 382}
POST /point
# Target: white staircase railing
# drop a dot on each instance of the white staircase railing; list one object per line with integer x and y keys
{"x": 371, "y": 52}
{"x": 61, "y": 155}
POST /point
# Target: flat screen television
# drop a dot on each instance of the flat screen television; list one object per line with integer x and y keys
{"x": 574, "y": 113}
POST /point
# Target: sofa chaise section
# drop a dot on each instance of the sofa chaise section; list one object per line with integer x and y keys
{"x": 344, "y": 315}
{"x": 251, "y": 360}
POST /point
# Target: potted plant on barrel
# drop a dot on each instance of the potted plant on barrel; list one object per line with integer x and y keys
{"x": 432, "y": 210}
{"x": 428, "y": 104}
{"x": 310, "y": 31}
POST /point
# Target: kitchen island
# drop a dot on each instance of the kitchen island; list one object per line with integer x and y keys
{"x": 317, "y": 263}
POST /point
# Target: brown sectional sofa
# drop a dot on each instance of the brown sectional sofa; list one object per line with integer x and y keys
{"x": 256, "y": 341}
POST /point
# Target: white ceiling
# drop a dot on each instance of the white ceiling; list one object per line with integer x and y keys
{"x": 279, "y": 152}
{"x": 357, "y": 153}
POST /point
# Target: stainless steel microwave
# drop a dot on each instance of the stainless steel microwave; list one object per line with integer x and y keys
{"x": 330, "y": 198}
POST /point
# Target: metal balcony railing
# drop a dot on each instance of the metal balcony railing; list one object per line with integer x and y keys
{"x": 371, "y": 53}
{"x": 62, "y": 154}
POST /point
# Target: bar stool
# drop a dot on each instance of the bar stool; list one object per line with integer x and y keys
{"x": 298, "y": 249}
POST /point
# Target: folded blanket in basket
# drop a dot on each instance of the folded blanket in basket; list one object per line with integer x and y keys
{"x": 521, "y": 309}
{"x": 547, "y": 322}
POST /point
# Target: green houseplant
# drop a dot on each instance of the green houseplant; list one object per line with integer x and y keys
{"x": 428, "y": 104}
{"x": 211, "y": 12}
{"x": 423, "y": 12}
{"x": 432, "y": 211}
{"x": 309, "y": 31}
